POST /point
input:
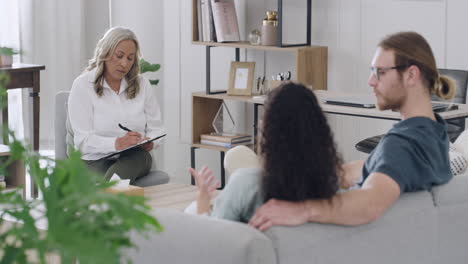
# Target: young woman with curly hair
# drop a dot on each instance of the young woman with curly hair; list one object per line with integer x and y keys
{"x": 298, "y": 159}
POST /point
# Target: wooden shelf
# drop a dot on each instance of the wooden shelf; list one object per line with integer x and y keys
{"x": 311, "y": 69}
{"x": 224, "y": 96}
{"x": 205, "y": 146}
{"x": 247, "y": 45}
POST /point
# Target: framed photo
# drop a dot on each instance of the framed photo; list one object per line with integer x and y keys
{"x": 241, "y": 78}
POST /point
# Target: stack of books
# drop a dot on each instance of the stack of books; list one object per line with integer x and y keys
{"x": 217, "y": 21}
{"x": 225, "y": 140}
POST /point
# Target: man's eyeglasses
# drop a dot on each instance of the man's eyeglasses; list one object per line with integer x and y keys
{"x": 378, "y": 71}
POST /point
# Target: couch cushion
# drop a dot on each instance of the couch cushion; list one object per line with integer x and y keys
{"x": 453, "y": 193}
{"x": 451, "y": 201}
{"x": 200, "y": 239}
{"x": 405, "y": 234}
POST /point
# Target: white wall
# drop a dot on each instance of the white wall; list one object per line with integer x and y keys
{"x": 145, "y": 18}
{"x": 96, "y": 22}
{"x": 351, "y": 30}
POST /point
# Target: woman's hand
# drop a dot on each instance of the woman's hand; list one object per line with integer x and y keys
{"x": 130, "y": 139}
{"x": 206, "y": 185}
{"x": 148, "y": 146}
{"x": 351, "y": 173}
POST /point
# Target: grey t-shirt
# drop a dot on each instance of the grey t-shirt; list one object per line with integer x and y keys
{"x": 241, "y": 196}
{"x": 414, "y": 153}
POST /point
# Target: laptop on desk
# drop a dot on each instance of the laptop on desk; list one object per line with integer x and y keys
{"x": 443, "y": 107}
{"x": 369, "y": 102}
{"x": 363, "y": 101}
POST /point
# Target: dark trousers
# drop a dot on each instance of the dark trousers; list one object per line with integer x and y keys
{"x": 131, "y": 164}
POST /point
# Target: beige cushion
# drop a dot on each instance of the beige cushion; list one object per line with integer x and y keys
{"x": 240, "y": 157}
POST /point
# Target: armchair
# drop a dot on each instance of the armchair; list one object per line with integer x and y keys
{"x": 62, "y": 139}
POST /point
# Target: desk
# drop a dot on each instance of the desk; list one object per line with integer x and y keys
{"x": 462, "y": 111}
{"x": 26, "y": 76}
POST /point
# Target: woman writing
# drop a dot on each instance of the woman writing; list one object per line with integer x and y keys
{"x": 298, "y": 159}
{"x": 112, "y": 107}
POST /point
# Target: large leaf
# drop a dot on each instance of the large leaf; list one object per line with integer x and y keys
{"x": 8, "y": 51}
{"x": 145, "y": 66}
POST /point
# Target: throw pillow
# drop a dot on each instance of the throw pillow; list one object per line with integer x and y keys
{"x": 458, "y": 152}
{"x": 458, "y": 160}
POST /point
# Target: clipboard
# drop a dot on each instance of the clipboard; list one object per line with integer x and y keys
{"x": 134, "y": 146}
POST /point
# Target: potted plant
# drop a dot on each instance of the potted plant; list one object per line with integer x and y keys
{"x": 146, "y": 66}
{"x": 6, "y": 56}
{"x": 82, "y": 222}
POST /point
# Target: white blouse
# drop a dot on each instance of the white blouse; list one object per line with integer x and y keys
{"x": 94, "y": 120}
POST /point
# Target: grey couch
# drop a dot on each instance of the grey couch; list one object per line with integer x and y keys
{"x": 422, "y": 227}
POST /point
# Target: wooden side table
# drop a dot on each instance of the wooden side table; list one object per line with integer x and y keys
{"x": 26, "y": 76}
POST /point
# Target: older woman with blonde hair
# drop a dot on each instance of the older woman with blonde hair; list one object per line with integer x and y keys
{"x": 112, "y": 107}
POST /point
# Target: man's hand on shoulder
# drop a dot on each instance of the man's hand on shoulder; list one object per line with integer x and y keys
{"x": 360, "y": 206}
{"x": 277, "y": 212}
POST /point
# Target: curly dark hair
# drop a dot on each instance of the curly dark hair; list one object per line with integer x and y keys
{"x": 298, "y": 153}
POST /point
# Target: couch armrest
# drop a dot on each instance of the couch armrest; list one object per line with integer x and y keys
{"x": 451, "y": 201}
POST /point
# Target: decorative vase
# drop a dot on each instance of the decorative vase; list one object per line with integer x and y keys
{"x": 270, "y": 29}
{"x": 255, "y": 37}
{"x": 6, "y": 60}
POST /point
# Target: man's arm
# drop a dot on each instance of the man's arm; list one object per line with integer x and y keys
{"x": 356, "y": 207}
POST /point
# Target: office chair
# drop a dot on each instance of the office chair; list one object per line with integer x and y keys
{"x": 454, "y": 128}
{"x": 62, "y": 138}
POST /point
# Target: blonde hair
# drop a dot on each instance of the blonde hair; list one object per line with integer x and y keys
{"x": 105, "y": 48}
{"x": 411, "y": 48}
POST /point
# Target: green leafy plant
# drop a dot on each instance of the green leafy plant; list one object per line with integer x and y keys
{"x": 146, "y": 66}
{"x": 85, "y": 224}
{"x": 8, "y": 51}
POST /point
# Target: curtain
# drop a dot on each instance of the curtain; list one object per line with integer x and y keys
{"x": 50, "y": 33}
{"x": 10, "y": 37}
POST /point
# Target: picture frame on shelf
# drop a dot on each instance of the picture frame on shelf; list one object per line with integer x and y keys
{"x": 241, "y": 78}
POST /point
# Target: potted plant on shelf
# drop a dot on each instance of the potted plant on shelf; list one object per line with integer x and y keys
{"x": 81, "y": 223}
{"x": 146, "y": 66}
{"x": 6, "y": 56}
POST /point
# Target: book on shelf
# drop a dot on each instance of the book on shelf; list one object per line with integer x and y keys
{"x": 211, "y": 26}
{"x": 199, "y": 18}
{"x": 223, "y": 144}
{"x": 206, "y": 28}
{"x": 225, "y": 20}
{"x": 204, "y": 17}
{"x": 227, "y": 138}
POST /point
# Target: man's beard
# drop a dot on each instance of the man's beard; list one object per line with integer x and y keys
{"x": 386, "y": 103}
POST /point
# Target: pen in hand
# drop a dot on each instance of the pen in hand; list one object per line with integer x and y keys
{"x": 129, "y": 130}
{"x": 124, "y": 128}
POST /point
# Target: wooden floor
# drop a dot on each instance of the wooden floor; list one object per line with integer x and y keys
{"x": 171, "y": 195}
